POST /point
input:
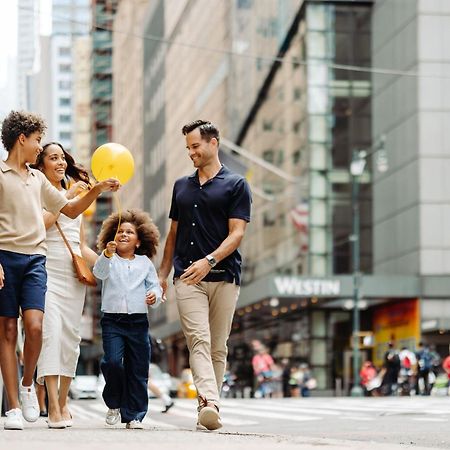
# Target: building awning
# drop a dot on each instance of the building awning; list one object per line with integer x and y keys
{"x": 435, "y": 314}
{"x": 372, "y": 287}
{"x": 438, "y": 325}
{"x": 339, "y": 287}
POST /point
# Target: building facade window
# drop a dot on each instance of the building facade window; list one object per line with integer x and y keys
{"x": 65, "y": 118}
{"x": 65, "y": 135}
{"x": 65, "y": 101}
{"x": 65, "y": 68}
{"x": 65, "y": 84}
{"x": 64, "y": 51}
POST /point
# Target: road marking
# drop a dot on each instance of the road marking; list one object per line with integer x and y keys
{"x": 192, "y": 414}
{"x": 282, "y": 408}
{"x": 253, "y": 413}
{"x": 82, "y": 413}
{"x": 359, "y": 418}
{"x": 429, "y": 419}
{"x": 100, "y": 412}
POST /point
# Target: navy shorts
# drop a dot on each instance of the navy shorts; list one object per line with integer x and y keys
{"x": 25, "y": 283}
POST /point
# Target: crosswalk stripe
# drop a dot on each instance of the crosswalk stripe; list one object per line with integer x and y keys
{"x": 429, "y": 419}
{"x": 284, "y": 408}
{"x": 179, "y": 410}
{"x": 253, "y": 413}
{"x": 436, "y": 411}
{"x": 250, "y": 412}
{"x": 359, "y": 418}
{"x": 159, "y": 424}
{"x": 79, "y": 412}
{"x": 101, "y": 409}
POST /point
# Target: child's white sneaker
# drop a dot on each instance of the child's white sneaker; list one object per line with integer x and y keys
{"x": 134, "y": 425}
{"x": 29, "y": 401}
{"x": 112, "y": 416}
{"x": 14, "y": 420}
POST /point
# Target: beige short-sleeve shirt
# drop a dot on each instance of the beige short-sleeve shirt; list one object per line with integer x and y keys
{"x": 22, "y": 228}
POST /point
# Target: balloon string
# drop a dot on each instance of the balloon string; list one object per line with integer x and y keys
{"x": 100, "y": 173}
{"x": 119, "y": 212}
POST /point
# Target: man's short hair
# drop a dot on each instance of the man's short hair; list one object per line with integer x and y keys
{"x": 207, "y": 129}
{"x": 20, "y": 122}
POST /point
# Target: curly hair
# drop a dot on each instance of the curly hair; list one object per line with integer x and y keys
{"x": 73, "y": 170}
{"x": 147, "y": 231}
{"x": 20, "y": 122}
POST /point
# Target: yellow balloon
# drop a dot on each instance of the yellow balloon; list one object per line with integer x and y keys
{"x": 112, "y": 161}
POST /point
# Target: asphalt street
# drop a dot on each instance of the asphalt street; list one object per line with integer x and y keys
{"x": 330, "y": 423}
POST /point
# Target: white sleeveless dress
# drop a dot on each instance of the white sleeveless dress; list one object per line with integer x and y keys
{"x": 64, "y": 303}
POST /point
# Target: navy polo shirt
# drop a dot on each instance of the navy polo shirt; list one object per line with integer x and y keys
{"x": 202, "y": 213}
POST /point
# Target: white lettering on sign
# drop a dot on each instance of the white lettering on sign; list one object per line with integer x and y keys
{"x": 307, "y": 287}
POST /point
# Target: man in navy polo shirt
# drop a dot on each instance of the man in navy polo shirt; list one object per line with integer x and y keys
{"x": 209, "y": 213}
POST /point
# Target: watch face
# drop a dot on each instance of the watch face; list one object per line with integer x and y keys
{"x": 211, "y": 260}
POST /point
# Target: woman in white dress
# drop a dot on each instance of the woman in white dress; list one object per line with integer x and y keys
{"x": 65, "y": 294}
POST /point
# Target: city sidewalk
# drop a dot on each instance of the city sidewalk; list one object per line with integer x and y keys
{"x": 116, "y": 439}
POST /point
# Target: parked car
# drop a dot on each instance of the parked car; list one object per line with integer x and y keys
{"x": 84, "y": 386}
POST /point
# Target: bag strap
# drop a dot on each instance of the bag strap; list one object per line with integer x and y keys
{"x": 64, "y": 238}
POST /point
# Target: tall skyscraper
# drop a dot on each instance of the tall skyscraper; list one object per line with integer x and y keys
{"x": 70, "y": 19}
{"x": 128, "y": 85}
{"x": 27, "y": 48}
{"x": 103, "y": 13}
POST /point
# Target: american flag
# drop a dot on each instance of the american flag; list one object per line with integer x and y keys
{"x": 300, "y": 219}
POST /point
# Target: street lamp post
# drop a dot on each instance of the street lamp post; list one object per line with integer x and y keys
{"x": 357, "y": 166}
{"x": 356, "y": 170}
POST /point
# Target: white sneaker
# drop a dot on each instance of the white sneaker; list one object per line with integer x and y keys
{"x": 14, "y": 420}
{"x": 29, "y": 401}
{"x": 112, "y": 416}
{"x": 134, "y": 425}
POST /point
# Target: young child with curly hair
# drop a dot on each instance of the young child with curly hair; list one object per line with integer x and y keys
{"x": 129, "y": 285}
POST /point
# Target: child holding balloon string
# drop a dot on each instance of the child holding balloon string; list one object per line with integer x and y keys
{"x": 129, "y": 285}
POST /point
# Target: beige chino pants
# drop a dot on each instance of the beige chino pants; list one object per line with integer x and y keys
{"x": 206, "y": 314}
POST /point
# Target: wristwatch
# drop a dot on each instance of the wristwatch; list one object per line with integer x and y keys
{"x": 211, "y": 260}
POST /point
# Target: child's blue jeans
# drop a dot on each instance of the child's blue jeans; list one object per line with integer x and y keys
{"x": 125, "y": 364}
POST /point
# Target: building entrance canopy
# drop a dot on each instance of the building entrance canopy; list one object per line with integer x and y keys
{"x": 335, "y": 290}
{"x": 341, "y": 287}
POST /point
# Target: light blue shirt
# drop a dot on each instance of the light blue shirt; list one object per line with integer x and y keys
{"x": 125, "y": 283}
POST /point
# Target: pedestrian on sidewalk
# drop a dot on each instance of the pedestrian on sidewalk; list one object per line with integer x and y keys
{"x": 129, "y": 285}
{"x": 446, "y": 367}
{"x": 424, "y": 366}
{"x": 408, "y": 364}
{"x": 209, "y": 213}
{"x": 64, "y": 300}
{"x": 391, "y": 366}
{"x": 166, "y": 400}
{"x": 367, "y": 375}
{"x": 263, "y": 368}
{"x": 23, "y": 278}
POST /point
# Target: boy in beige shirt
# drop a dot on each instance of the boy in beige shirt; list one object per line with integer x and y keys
{"x": 24, "y": 192}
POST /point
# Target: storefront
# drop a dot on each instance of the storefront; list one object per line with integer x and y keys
{"x": 309, "y": 320}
